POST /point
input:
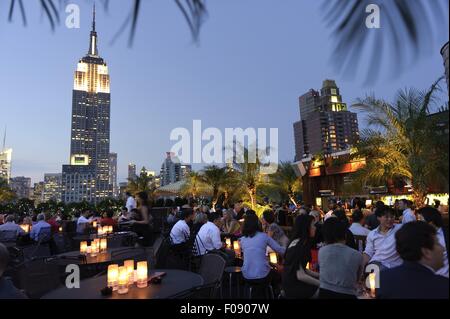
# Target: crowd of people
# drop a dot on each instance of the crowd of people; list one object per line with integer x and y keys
{"x": 321, "y": 254}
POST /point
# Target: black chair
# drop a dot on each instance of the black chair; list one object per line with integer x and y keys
{"x": 211, "y": 269}
{"x": 37, "y": 277}
{"x": 8, "y": 236}
{"x": 265, "y": 287}
{"x": 200, "y": 292}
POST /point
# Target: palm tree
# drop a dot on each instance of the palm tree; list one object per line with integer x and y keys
{"x": 216, "y": 177}
{"x": 142, "y": 183}
{"x": 6, "y": 193}
{"x": 193, "y": 186}
{"x": 286, "y": 181}
{"x": 406, "y": 144}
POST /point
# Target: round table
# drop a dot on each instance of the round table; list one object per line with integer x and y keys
{"x": 174, "y": 282}
{"x": 89, "y": 237}
{"x": 104, "y": 257}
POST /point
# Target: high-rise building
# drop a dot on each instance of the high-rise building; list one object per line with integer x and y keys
{"x": 52, "y": 187}
{"x": 444, "y": 53}
{"x": 113, "y": 174}
{"x": 325, "y": 126}
{"x": 37, "y": 193}
{"x": 21, "y": 186}
{"x": 132, "y": 171}
{"x": 87, "y": 175}
{"x": 5, "y": 164}
{"x": 172, "y": 170}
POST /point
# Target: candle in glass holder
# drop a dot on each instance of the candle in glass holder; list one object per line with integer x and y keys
{"x": 228, "y": 242}
{"x": 94, "y": 224}
{"x": 83, "y": 247}
{"x": 142, "y": 274}
{"x": 88, "y": 250}
{"x": 100, "y": 231}
{"x": 60, "y": 229}
{"x": 273, "y": 258}
{"x": 372, "y": 284}
{"x": 103, "y": 244}
{"x": 110, "y": 229}
{"x": 129, "y": 266}
{"x": 26, "y": 228}
{"x": 123, "y": 280}
{"x": 237, "y": 248}
{"x": 113, "y": 276}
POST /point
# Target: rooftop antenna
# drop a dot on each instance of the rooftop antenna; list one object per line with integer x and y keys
{"x": 4, "y": 140}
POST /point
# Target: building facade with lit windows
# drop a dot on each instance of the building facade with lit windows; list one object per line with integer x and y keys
{"x": 113, "y": 174}
{"x": 52, "y": 187}
{"x": 325, "y": 126}
{"x": 5, "y": 164}
{"x": 87, "y": 177}
{"x": 21, "y": 186}
{"x": 172, "y": 170}
{"x": 132, "y": 171}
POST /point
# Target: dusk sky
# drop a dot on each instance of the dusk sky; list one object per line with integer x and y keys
{"x": 253, "y": 60}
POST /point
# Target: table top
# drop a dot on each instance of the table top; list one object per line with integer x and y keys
{"x": 103, "y": 257}
{"x": 174, "y": 282}
{"x": 87, "y": 237}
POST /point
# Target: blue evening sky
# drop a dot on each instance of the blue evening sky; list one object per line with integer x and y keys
{"x": 254, "y": 58}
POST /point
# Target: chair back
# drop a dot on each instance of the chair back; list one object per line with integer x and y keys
{"x": 45, "y": 234}
{"x": 8, "y": 236}
{"x": 35, "y": 250}
{"x": 360, "y": 242}
{"x": 211, "y": 268}
{"x": 38, "y": 277}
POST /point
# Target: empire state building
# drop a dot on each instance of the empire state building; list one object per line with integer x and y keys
{"x": 87, "y": 177}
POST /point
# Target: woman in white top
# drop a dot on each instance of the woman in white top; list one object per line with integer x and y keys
{"x": 433, "y": 217}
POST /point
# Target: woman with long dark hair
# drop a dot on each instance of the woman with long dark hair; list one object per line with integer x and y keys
{"x": 142, "y": 224}
{"x": 299, "y": 282}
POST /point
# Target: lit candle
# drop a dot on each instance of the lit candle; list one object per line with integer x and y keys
{"x": 94, "y": 224}
{"x": 113, "y": 276}
{"x": 26, "y": 228}
{"x": 110, "y": 229}
{"x": 60, "y": 229}
{"x": 103, "y": 244}
{"x": 83, "y": 247}
{"x": 88, "y": 249}
{"x": 237, "y": 248}
{"x": 228, "y": 242}
{"x": 273, "y": 258}
{"x": 372, "y": 284}
{"x": 100, "y": 231}
{"x": 123, "y": 281}
{"x": 308, "y": 266}
{"x": 129, "y": 266}
{"x": 142, "y": 274}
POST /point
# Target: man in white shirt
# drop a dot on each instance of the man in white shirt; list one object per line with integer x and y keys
{"x": 41, "y": 228}
{"x": 380, "y": 244}
{"x": 131, "y": 202}
{"x": 358, "y": 221}
{"x": 181, "y": 232}
{"x": 408, "y": 214}
{"x": 332, "y": 206}
{"x": 208, "y": 237}
{"x": 11, "y": 226}
{"x": 83, "y": 221}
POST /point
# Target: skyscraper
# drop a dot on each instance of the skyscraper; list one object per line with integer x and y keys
{"x": 172, "y": 170}
{"x": 131, "y": 171}
{"x": 87, "y": 175}
{"x": 5, "y": 164}
{"x": 113, "y": 174}
{"x": 21, "y": 186}
{"x": 325, "y": 126}
{"x": 52, "y": 187}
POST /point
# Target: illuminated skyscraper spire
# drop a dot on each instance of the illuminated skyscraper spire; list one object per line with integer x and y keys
{"x": 93, "y": 45}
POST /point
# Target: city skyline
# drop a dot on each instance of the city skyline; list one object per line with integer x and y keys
{"x": 189, "y": 81}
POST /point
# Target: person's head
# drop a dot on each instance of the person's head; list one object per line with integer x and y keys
{"x": 228, "y": 215}
{"x": 109, "y": 213}
{"x": 404, "y": 204}
{"x": 334, "y": 231}
{"x": 200, "y": 218}
{"x": 437, "y": 203}
{"x": 385, "y": 216}
{"x": 128, "y": 194}
{"x": 40, "y": 217}
{"x": 431, "y": 215}
{"x": 251, "y": 225}
{"x": 4, "y": 259}
{"x": 358, "y": 217}
{"x": 268, "y": 217}
{"x": 188, "y": 214}
{"x": 215, "y": 218}
{"x": 417, "y": 242}
{"x": 332, "y": 205}
{"x": 238, "y": 206}
{"x": 316, "y": 215}
{"x": 123, "y": 210}
{"x": 86, "y": 212}
{"x": 142, "y": 199}
{"x": 10, "y": 218}
{"x": 378, "y": 205}
{"x": 304, "y": 228}
{"x": 341, "y": 216}
{"x": 302, "y": 211}
{"x": 205, "y": 209}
